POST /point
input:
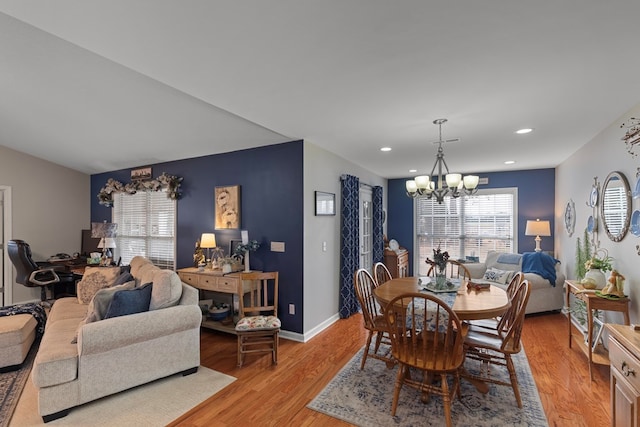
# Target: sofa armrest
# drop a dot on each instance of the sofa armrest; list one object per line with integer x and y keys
{"x": 105, "y": 335}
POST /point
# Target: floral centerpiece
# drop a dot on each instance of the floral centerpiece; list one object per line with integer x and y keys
{"x": 599, "y": 263}
{"x": 439, "y": 260}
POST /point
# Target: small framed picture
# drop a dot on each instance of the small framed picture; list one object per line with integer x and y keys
{"x": 233, "y": 244}
{"x": 140, "y": 174}
{"x": 325, "y": 203}
{"x": 227, "y": 207}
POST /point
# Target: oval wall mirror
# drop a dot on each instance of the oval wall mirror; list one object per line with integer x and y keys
{"x": 615, "y": 206}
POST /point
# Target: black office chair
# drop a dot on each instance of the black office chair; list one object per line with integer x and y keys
{"x": 32, "y": 274}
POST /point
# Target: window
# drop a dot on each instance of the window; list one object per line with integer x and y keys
{"x": 466, "y": 226}
{"x": 146, "y": 226}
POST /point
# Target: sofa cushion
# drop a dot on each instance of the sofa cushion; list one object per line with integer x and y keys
{"x": 94, "y": 279}
{"x": 145, "y": 274}
{"x": 497, "y": 275}
{"x": 130, "y": 301}
{"x": 167, "y": 289}
{"x": 100, "y": 303}
{"x": 57, "y": 358}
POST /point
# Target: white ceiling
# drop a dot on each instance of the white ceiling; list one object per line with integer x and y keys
{"x": 102, "y": 85}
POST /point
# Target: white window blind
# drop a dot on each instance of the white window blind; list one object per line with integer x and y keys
{"x": 146, "y": 227}
{"x": 466, "y": 226}
{"x": 615, "y": 208}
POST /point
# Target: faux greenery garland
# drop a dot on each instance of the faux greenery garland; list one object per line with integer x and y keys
{"x": 167, "y": 182}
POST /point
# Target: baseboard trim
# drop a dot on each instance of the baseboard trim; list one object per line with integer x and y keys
{"x": 294, "y": 336}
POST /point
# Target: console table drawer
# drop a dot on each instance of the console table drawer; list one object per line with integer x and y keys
{"x": 226, "y": 284}
{"x": 188, "y": 278}
{"x": 627, "y": 365}
{"x": 207, "y": 282}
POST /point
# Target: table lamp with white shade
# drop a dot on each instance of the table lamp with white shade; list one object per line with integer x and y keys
{"x": 538, "y": 228}
{"x": 208, "y": 242}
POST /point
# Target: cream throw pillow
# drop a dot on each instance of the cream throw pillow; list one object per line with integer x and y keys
{"x": 94, "y": 279}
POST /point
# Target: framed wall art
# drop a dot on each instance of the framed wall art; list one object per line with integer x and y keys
{"x": 227, "y": 207}
{"x": 325, "y": 203}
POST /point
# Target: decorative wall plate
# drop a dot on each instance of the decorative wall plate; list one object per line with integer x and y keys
{"x": 635, "y": 223}
{"x": 593, "y": 197}
{"x": 636, "y": 190}
{"x": 570, "y": 217}
{"x": 591, "y": 224}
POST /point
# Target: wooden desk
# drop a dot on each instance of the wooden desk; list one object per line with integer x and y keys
{"x": 215, "y": 281}
{"x": 469, "y": 304}
{"x": 594, "y": 351}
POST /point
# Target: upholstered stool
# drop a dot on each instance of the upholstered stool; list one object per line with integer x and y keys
{"x": 17, "y": 334}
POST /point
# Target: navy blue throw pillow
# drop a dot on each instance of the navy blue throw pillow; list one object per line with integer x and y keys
{"x": 130, "y": 301}
{"x": 123, "y": 278}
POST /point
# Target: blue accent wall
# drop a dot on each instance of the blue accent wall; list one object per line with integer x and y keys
{"x": 536, "y": 199}
{"x": 271, "y": 180}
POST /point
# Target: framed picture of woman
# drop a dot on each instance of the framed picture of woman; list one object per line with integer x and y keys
{"x": 227, "y": 207}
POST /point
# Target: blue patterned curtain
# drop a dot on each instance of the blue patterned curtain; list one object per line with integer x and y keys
{"x": 378, "y": 221}
{"x": 349, "y": 244}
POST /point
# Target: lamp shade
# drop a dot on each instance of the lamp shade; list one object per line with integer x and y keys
{"x": 538, "y": 228}
{"x": 107, "y": 242}
{"x": 208, "y": 240}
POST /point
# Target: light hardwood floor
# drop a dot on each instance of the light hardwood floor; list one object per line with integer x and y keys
{"x": 266, "y": 395}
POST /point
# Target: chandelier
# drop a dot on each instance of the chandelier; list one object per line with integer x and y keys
{"x": 449, "y": 184}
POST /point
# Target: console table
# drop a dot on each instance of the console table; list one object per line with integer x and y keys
{"x": 594, "y": 351}
{"x": 215, "y": 281}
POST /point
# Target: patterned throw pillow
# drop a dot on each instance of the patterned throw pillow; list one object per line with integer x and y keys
{"x": 94, "y": 279}
{"x": 498, "y": 276}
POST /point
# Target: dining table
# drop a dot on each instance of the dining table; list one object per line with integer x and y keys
{"x": 469, "y": 303}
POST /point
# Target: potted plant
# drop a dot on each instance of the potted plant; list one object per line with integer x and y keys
{"x": 227, "y": 264}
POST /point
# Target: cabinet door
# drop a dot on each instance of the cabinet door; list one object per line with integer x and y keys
{"x": 624, "y": 402}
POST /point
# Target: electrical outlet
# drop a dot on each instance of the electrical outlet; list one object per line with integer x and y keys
{"x": 292, "y": 309}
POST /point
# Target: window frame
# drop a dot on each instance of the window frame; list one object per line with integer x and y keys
{"x": 462, "y": 236}
{"x": 150, "y": 219}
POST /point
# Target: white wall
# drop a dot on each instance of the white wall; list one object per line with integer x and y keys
{"x": 50, "y": 207}
{"x": 322, "y": 171}
{"x": 574, "y": 178}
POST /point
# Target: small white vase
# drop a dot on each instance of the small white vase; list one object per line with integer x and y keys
{"x": 598, "y": 277}
{"x": 246, "y": 262}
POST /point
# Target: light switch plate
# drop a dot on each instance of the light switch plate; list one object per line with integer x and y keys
{"x": 277, "y": 246}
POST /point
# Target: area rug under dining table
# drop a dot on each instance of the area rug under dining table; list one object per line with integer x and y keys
{"x": 363, "y": 397}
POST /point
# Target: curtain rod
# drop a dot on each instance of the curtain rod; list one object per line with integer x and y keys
{"x": 362, "y": 184}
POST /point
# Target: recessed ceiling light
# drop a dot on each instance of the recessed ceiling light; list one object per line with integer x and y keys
{"x": 509, "y": 162}
{"x": 413, "y": 170}
{"x": 385, "y": 149}
{"x": 523, "y": 131}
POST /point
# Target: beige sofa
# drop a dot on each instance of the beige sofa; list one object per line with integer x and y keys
{"x": 78, "y": 362}
{"x": 544, "y": 296}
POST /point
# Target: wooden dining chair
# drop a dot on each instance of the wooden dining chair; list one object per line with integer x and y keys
{"x": 502, "y": 322}
{"x": 454, "y": 270}
{"x": 259, "y": 326}
{"x": 373, "y": 321}
{"x": 495, "y": 348}
{"x": 381, "y": 273}
{"x": 426, "y": 335}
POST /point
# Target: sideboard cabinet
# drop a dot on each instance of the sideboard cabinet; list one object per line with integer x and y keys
{"x": 397, "y": 262}
{"x": 624, "y": 354}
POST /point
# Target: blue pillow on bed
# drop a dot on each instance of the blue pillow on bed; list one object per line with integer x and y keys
{"x": 130, "y": 301}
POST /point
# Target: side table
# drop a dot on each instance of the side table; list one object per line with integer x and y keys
{"x": 231, "y": 284}
{"x": 596, "y": 353}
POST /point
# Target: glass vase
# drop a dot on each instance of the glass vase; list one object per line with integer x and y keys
{"x": 441, "y": 281}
